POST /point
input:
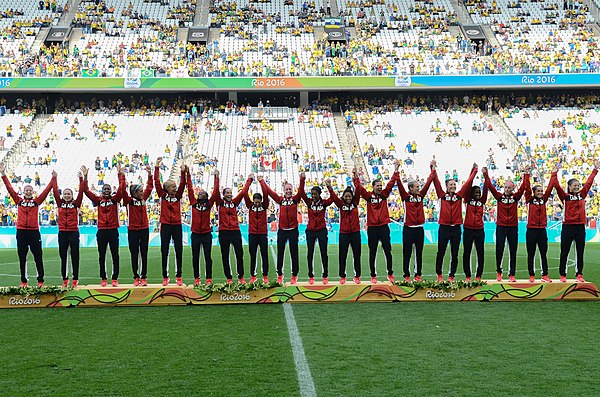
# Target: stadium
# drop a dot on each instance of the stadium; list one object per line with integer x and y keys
{"x": 188, "y": 156}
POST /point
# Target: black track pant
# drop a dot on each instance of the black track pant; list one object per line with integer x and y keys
{"x": 312, "y": 236}
{"x": 447, "y": 234}
{"x": 504, "y": 233}
{"x": 537, "y": 238}
{"x": 168, "y": 232}
{"x": 30, "y": 240}
{"x": 412, "y": 236}
{"x": 202, "y": 241}
{"x": 470, "y": 237}
{"x": 568, "y": 234}
{"x": 256, "y": 241}
{"x": 375, "y": 234}
{"x": 226, "y": 239}
{"x": 108, "y": 237}
{"x": 68, "y": 240}
{"x": 284, "y": 236}
{"x": 138, "y": 246}
{"x": 350, "y": 240}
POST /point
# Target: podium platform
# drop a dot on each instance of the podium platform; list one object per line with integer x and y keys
{"x": 173, "y": 295}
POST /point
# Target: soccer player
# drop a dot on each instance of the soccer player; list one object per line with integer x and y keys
{"x": 258, "y": 232}
{"x": 28, "y": 228}
{"x": 170, "y": 220}
{"x": 316, "y": 230}
{"x": 507, "y": 222}
{"x": 137, "y": 226}
{"x": 108, "y": 225}
{"x": 68, "y": 229}
{"x": 288, "y": 224}
{"x": 378, "y": 219}
{"x": 537, "y": 220}
{"x": 414, "y": 219}
{"x": 201, "y": 227}
{"x": 574, "y": 222}
{"x": 473, "y": 232}
{"x": 349, "y": 230}
{"x": 450, "y": 220}
{"x": 229, "y": 229}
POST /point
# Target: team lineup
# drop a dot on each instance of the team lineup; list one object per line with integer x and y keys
{"x": 170, "y": 194}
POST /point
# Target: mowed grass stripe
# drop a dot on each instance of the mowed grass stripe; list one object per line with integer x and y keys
{"x": 89, "y": 273}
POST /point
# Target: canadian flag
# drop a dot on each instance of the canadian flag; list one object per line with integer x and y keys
{"x": 274, "y": 164}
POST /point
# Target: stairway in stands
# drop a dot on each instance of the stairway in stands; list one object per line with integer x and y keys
{"x": 16, "y": 154}
{"x": 349, "y": 145}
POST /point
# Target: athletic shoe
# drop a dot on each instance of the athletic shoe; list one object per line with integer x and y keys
{"x": 179, "y": 281}
{"x": 229, "y": 281}
{"x": 311, "y": 280}
{"x": 511, "y": 279}
{"x": 546, "y": 279}
{"x": 280, "y": 279}
{"x": 343, "y": 280}
{"x": 418, "y": 279}
{"x": 75, "y": 283}
{"x": 144, "y": 283}
{"x": 208, "y": 281}
{"x": 467, "y": 279}
{"x": 477, "y": 278}
{"x": 357, "y": 280}
{"x": 241, "y": 280}
{"x": 165, "y": 281}
{"x": 390, "y": 278}
{"x": 265, "y": 279}
{"x": 41, "y": 283}
{"x": 295, "y": 280}
{"x": 532, "y": 279}
{"x": 197, "y": 281}
{"x": 103, "y": 283}
{"x": 325, "y": 281}
{"x": 374, "y": 280}
{"x": 252, "y": 279}
{"x": 563, "y": 279}
{"x": 407, "y": 279}
{"x": 136, "y": 282}
{"x": 450, "y": 279}
{"x": 580, "y": 279}
{"x": 440, "y": 278}
{"x": 499, "y": 277}
{"x": 23, "y": 285}
{"x": 114, "y": 283}
{"x": 65, "y": 283}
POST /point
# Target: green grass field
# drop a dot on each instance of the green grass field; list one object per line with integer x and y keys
{"x": 412, "y": 349}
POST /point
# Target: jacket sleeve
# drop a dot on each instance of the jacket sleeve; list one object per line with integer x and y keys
{"x": 390, "y": 185}
{"x": 428, "y": 182}
{"x": 338, "y": 201}
{"x": 215, "y": 192}
{"x": 528, "y": 193}
{"x": 491, "y": 187}
{"x": 437, "y": 185}
{"x": 277, "y": 198}
{"x": 559, "y": 190}
{"x": 148, "y": 190}
{"x": 16, "y": 198}
{"x": 588, "y": 184}
{"x": 123, "y": 189}
{"x": 403, "y": 193}
{"x": 120, "y": 191}
{"x": 181, "y": 186}
{"x": 244, "y": 193}
{"x": 157, "y": 184}
{"x": 86, "y": 189}
{"x": 265, "y": 202}
{"x": 549, "y": 188}
{"x": 522, "y": 188}
{"x": 42, "y": 196}
{"x": 300, "y": 191}
{"x": 468, "y": 184}
{"x": 79, "y": 198}
{"x": 190, "y": 189}
{"x": 56, "y": 194}
{"x": 360, "y": 190}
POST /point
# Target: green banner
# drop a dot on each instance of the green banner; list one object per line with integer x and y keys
{"x": 90, "y": 73}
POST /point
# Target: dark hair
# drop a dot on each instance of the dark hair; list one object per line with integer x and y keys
{"x": 317, "y": 188}
{"x": 348, "y": 190}
{"x": 474, "y": 189}
{"x": 570, "y": 182}
{"x": 536, "y": 187}
{"x": 133, "y": 189}
{"x": 375, "y": 181}
{"x": 257, "y": 196}
{"x": 450, "y": 180}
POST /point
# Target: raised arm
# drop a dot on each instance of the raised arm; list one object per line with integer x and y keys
{"x": 489, "y": 184}
{"x": 549, "y": 188}
{"x": 42, "y": 196}
{"x": 588, "y": 184}
{"x": 123, "y": 187}
{"x": 265, "y": 202}
{"x": 336, "y": 199}
{"x": 216, "y": 195}
{"x": 360, "y": 191}
{"x": 439, "y": 191}
{"x": 149, "y": 184}
{"x": 79, "y": 198}
{"x": 190, "y": 189}
{"x": 157, "y": 183}
{"x": 182, "y": 180}
{"x": 56, "y": 193}
{"x": 525, "y": 184}
{"x": 16, "y": 198}
{"x": 300, "y": 191}
{"x": 528, "y": 193}
{"x": 277, "y": 198}
{"x": 466, "y": 188}
{"x": 244, "y": 192}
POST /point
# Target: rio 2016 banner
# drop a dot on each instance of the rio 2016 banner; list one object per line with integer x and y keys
{"x": 61, "y": 84}
{"x": 88, "y": 235}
